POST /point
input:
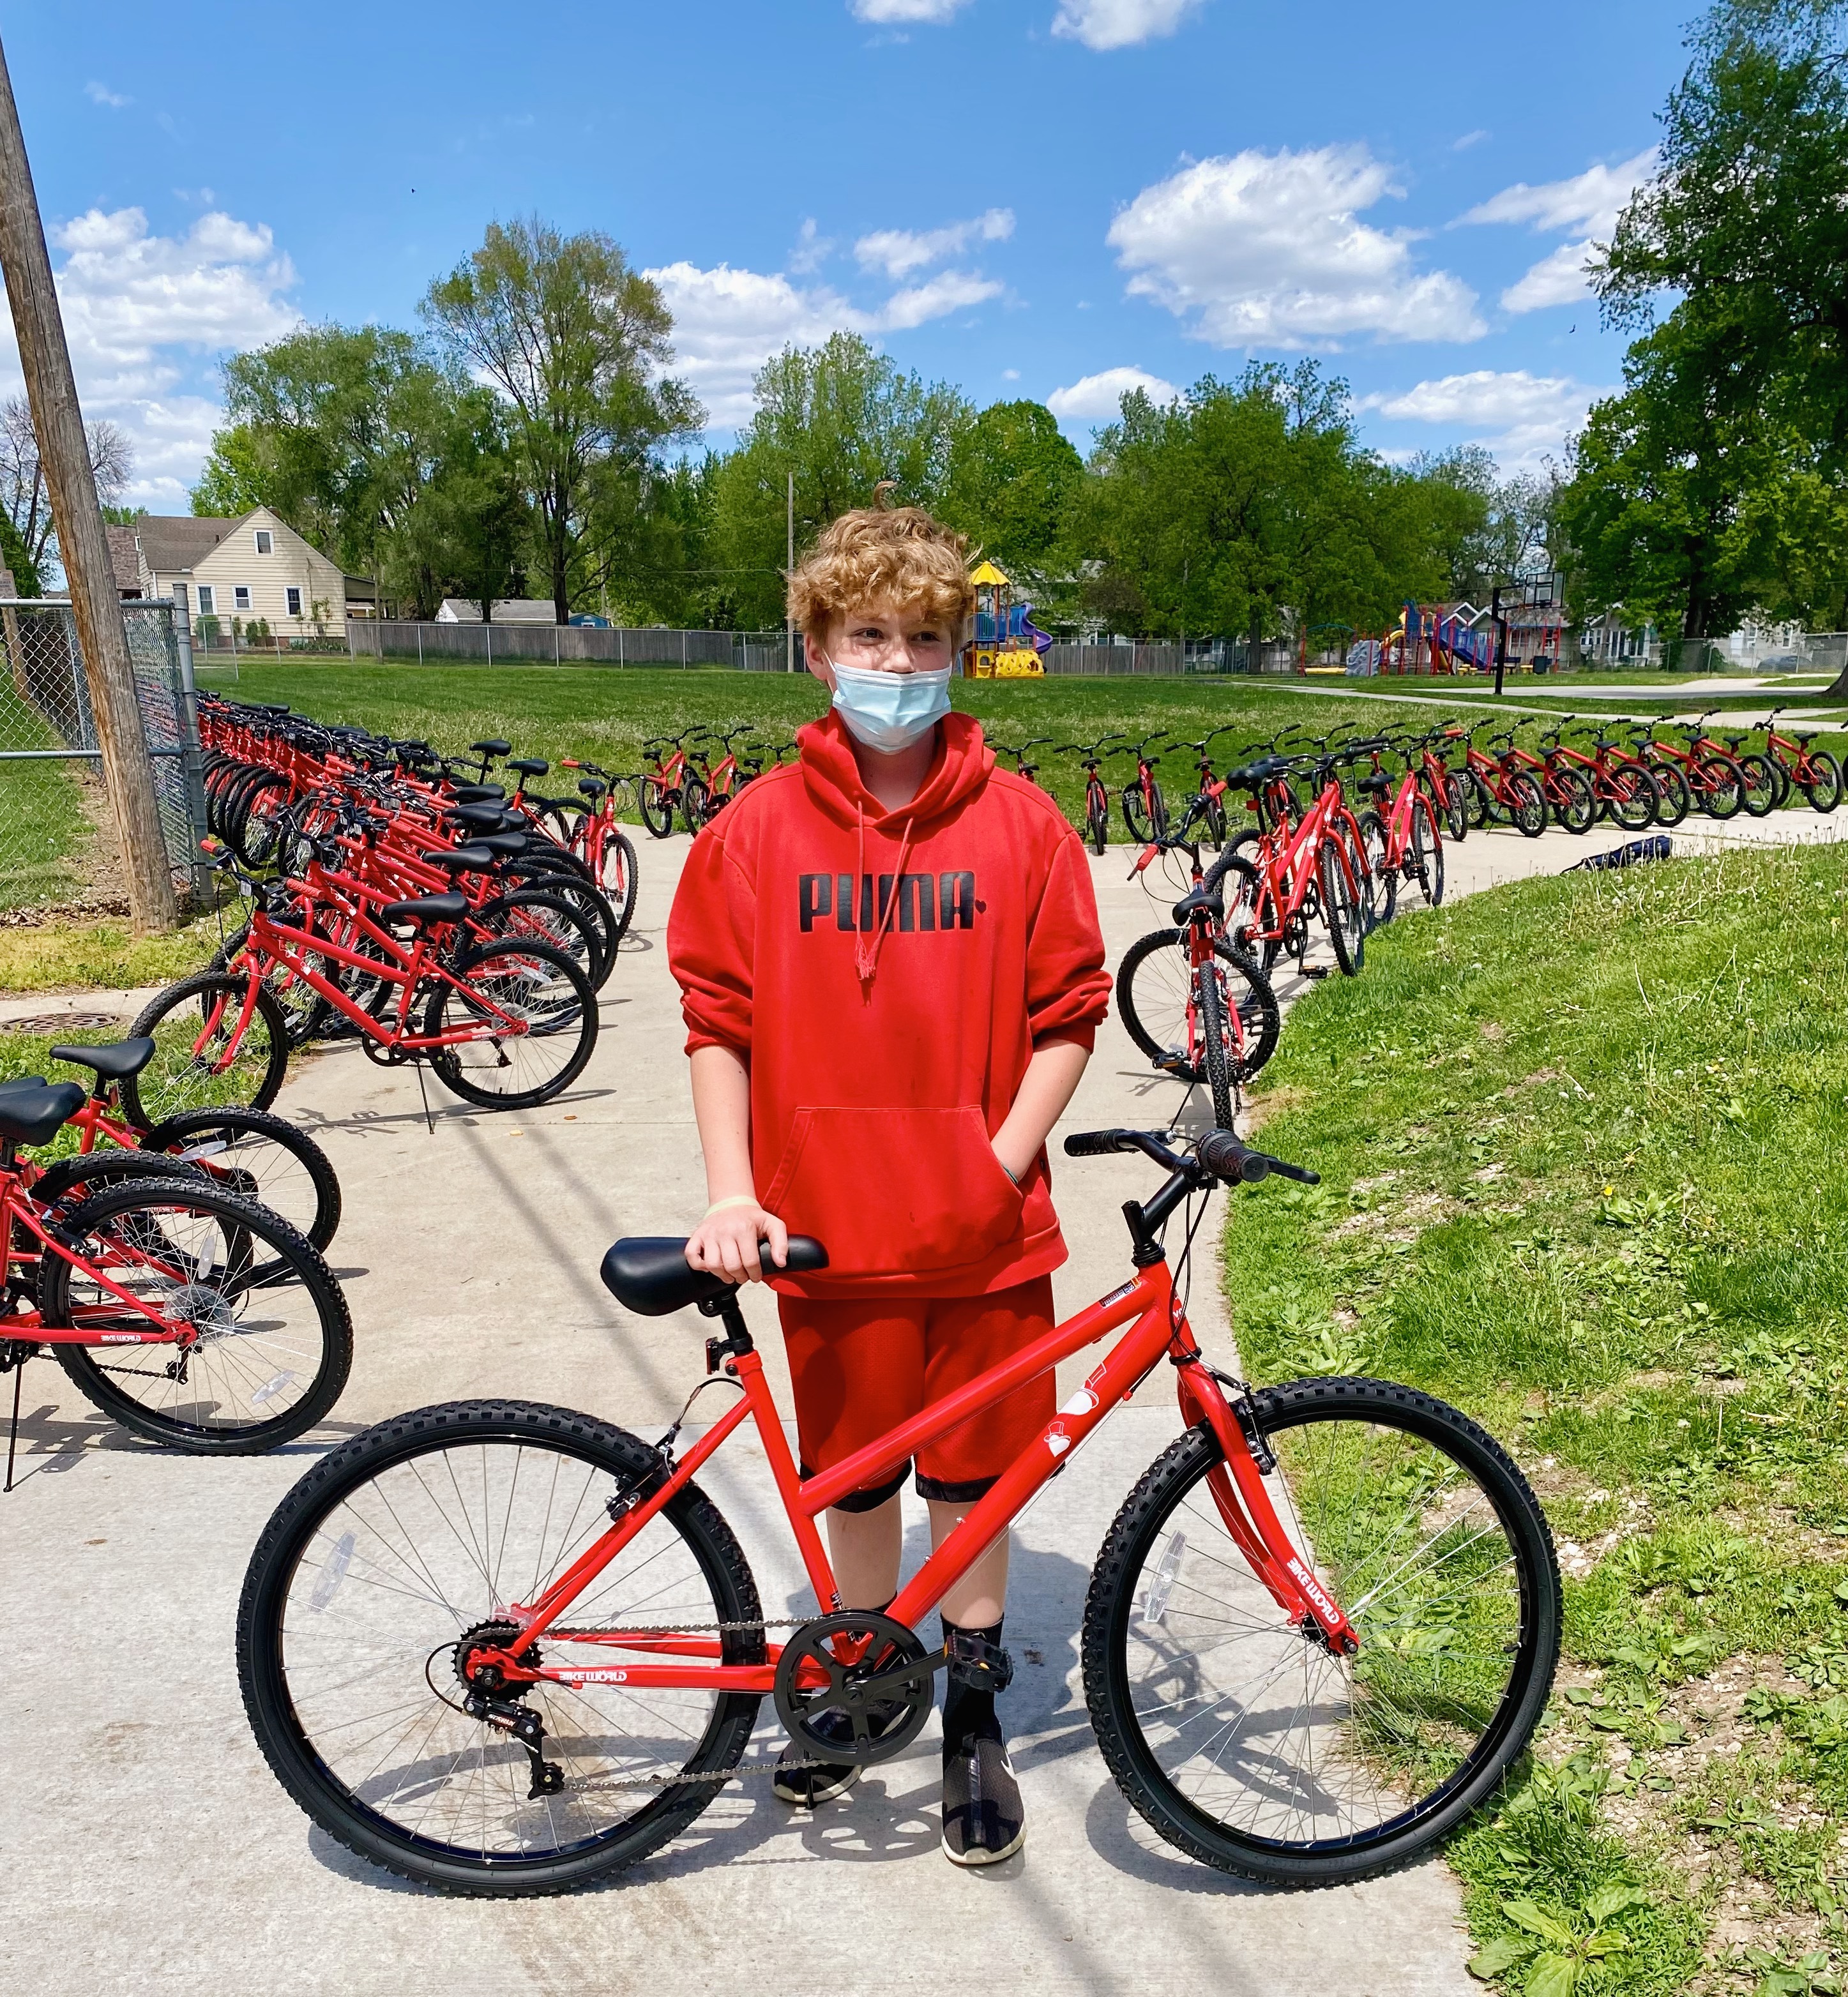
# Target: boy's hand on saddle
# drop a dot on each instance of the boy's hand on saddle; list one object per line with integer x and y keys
{"x": 725, "y": 1243}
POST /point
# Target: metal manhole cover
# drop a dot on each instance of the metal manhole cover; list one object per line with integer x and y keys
{"x": 61, "y": 1023}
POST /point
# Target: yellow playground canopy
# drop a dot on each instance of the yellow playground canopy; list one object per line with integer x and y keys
{"x": 985, "y": 575}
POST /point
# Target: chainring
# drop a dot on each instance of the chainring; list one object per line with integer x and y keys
{"x": 885, "y": 1704}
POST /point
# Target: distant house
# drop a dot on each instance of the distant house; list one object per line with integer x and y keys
{"x": 255, "y": 566}
{"x": 507, "y": 610}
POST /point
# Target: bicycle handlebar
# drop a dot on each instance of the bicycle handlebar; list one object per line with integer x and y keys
{"x": 1219, "y": 1153}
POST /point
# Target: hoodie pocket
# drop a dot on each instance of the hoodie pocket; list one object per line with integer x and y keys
{"x": 891, "y": 1192}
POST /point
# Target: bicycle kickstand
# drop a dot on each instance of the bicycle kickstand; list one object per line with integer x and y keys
{"x": 429, "y": 1121}
{"x": 12, "y": 1433}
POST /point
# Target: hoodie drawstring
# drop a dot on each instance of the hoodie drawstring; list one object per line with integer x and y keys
{"x": 865, "y": 954}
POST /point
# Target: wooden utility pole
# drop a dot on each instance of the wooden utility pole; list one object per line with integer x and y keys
{"x": 65, "y": 453}
{"x": 789, "y": 622}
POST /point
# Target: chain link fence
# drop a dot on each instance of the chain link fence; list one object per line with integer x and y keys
{"x": 57, "y": 837}
{"x": 570, "y": 644}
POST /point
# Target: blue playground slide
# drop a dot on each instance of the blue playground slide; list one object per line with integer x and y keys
{"x": 1016, "y": 624}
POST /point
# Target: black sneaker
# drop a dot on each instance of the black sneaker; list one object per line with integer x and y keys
{"x": 808, "y": 1788}
{"x": 984, "y": 1820}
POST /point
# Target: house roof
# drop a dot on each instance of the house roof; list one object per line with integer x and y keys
{"x": 171, "y": 542}
{"x": 124, "y": 559}
{"x": 507, "y": 610}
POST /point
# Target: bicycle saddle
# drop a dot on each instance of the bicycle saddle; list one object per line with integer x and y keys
{"x": 33, "y": 1112}
{"x": 478, "y": 794}
{"x": 588, "y": 787}
{"x": 648, "y": 1273}
{"x": 481, "y": 817}
{"x": 1379, "y": 782}
{"x": 116, "y": 1062}
{"x": 509, "y": 845}
{"x": 426, "y": 908}
{"x": 461, "y": 859}
{"x": 1202, "y": 897}
{"x": 495, "y": 746}
{"x": 530, "y": 766}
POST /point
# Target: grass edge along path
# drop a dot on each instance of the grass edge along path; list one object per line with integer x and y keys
{"x": 1582, "y": 1141}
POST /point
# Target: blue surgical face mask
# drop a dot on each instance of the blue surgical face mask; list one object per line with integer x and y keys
{"x": 889, "y": 711}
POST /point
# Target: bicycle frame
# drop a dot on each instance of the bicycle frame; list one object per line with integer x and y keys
{"x": 16, "y": 1206}
{"x": 1157, "y": 1329}
{"x": 1289, "y": 882}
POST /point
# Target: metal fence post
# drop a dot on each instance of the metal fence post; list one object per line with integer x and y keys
{"x": 192, "y": 762}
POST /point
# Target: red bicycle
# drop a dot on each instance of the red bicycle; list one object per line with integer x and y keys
{"x": 506, "y": 1024}
{"x": 1626, "y": 791}
{"x": 1813, "y": 771}
{"x": 592, "y": 830}
{"x": 1300, "y": 865}
{"x": 1145, "y": 809}
{"x": 1497, "y": 788}
{"x": 189, "y": 1314}
{"x": 1401, "y": 838}
{"x": 505, "y": 1649}
{"x": 1097, "y": 799}
{"x": 660, "y": 792}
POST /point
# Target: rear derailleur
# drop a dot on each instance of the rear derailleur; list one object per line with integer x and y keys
{"x": 487, "y": 1697}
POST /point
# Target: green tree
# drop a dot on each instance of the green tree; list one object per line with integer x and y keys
{"x": 1008, "y": 486}
{"x": 842, "y": 418}
{"x": 574, "y": 340}
{"x": 1246, "y": 508}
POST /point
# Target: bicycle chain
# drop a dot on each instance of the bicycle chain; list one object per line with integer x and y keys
{"x": 736, "y": 1773}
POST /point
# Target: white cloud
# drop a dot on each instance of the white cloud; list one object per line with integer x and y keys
{"x": 1468, "y": 138}
{"x": 1267, "y": 249}
{"x": 1010, "y": 374}
{"x": 1587, "y": 205}
{"x": 727, "y": 323}
{"x": 1120, "y": 24}
{"x": 904, "y": 12}
{"x": 897, "y": 251}
{"x": 812, "y": 248}
{"x": 1556, "y": 279}
{"x": 951, "y": 291}
{"x": 1096, "y": 397}
{"x": 142, "y": 313}
{"x": 1520, "y": 417}
{"x": 100, "y": 93}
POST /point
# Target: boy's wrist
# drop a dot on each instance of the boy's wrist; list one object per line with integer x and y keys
{"x": 734, "y": 1199}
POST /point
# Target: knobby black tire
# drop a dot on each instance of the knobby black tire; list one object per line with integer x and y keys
{"x": 1385, "y": 878}
{"x": 1823, "y": 790}
{"x": 1761, "y": 793}
{"x": 1721, "y": 793}
{"x": 197, "y": 1127}
{"x": 1674, "y": 795}
{"x": 1426, "y": 850}
{"x": 657, "y": 803}
{"x": 1097, "y": 820}
{"x": 1210, "y": 1000}
{"x": 1574, "y": 804}
{"x": 448, "y": 1006}
{"x": 1342, "y": 906}
{"x": 695, "y": 804}
{"x": 172, "y": 1081}
{"x": 537, "y": 914}
{"x": 272, "y": 1708}
{"x": 1632, "y": 798}
{"x": 1163, "y": 955}
{"x": 305, "y": 1010}
{"x": 275, "y": 1259}
{"x": 1526, "y": 802}
{"x": 1112, "y": 1601}
{"x": 617, "y": 880}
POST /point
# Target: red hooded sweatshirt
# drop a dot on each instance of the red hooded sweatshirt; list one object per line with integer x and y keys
{"x": 886, "y": 976}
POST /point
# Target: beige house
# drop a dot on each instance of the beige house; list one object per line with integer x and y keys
{"x": 255, "y": 567}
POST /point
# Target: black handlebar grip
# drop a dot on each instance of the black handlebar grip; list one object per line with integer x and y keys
{"x": 1223, "y": 1155}
{"x": 1097, "y": 1143}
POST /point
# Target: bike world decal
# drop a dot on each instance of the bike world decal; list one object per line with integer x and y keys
{"x": 927, "y": 902}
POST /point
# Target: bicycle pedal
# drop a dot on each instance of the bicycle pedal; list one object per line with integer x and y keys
{"x": 1318, "y": 970}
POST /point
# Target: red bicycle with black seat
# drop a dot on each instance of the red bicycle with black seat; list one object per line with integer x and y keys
{"x": 506, "y": 1649}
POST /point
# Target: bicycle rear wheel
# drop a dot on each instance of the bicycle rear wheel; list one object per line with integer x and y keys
{"x": 657, "y": 801}
{"x": 1630, "y": 796}
{"x": 1824, "y": 789}
{"x": 1721, "y": 791}
{"x": 1426, "y": 850}
{"x": 414, "y": 1536}
{"x": 553, "y": 1011}
{"x": 1674, "y": 796}
{"x": 1156, "y": 1002}
{"x": 1762, "y": 792}
{"x": 1097, "y": 819}
{"x": 273, "y": 1341}
{"x": 1252, "y": 1748}
{"x": 1342, "y": 909}
{"x": 616, "y": 875}
{"x": 207, "y": 1055}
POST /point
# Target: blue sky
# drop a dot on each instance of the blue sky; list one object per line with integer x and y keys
{"x": 1047, "y": 198}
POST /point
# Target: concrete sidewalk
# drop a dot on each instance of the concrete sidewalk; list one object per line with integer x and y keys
{"x": 151, "y": 1848}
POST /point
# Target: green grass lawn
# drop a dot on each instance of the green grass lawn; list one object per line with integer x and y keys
{"x": 44, "y": 830}
{"x": 607, "y": 714}
{"x": 1584, "y": 1155}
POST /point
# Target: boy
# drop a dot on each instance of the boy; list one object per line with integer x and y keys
{"x": 891, "y": 972}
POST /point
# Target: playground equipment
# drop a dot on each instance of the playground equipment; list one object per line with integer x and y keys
{"x": 1007, "y": 646}
{"x": 1426, "y": 641}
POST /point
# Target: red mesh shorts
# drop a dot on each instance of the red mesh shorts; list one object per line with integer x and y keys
{"x": 861, "y": 1366}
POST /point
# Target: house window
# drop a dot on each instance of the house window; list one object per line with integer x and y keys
{"x": 208, "y": 601}
{"x": 265, "y": 542}
{"x": 240, "y": 596}
{"x": 293, "y": 597}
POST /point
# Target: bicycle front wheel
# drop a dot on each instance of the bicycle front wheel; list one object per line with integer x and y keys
{"x": 657, "y": 801}
{"x": 530, "y": 1021}
{"x": 271, "y": 1343}
{"x": 1158, "y": 1002}
{"x": 259, "y": 1156}
{"x": 208, "y": 1055}
{"x": 1245, "y": 1744}
{"x": 401, "y": 1548}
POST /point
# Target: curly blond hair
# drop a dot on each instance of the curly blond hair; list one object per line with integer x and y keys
{"x": 899, "y": 556}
